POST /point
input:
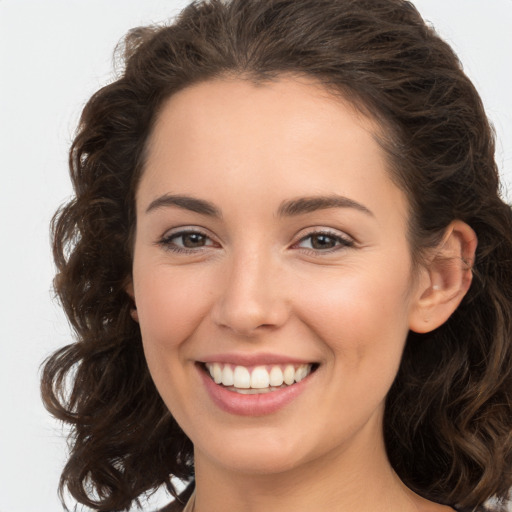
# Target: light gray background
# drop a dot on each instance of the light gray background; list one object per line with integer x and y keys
{"x": 53, "y": 55}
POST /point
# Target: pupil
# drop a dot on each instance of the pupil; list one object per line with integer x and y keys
{"x": 193, "y": 240}
{"x": 322, "y": 242}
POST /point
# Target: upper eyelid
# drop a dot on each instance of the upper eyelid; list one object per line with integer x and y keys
{"x": 185, "y": 230}
{"x": 319, "y": 230}
{"x": 341, "y": 242}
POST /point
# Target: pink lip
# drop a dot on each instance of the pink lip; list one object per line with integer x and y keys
{"x": 252, "y": 359}
{"x": 251, "y": 405}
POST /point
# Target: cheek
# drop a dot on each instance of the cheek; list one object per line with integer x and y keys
{"x": 362, "y": 316}
{"x": 363, "y": 323}
{"x": 170, "y": 304}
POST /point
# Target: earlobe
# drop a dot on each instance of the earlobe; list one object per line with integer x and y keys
{"x": 446, "y": 278}
{"x": 130, "y": 292}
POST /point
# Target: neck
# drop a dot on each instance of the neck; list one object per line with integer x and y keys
{"x": 358, "y": 477}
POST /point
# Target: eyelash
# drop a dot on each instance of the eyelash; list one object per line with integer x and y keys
{"x": 341, "y": 242}
{"x": 167, "y": 242}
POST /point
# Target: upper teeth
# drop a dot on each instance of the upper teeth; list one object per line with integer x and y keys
{"x": 260, "y": 377}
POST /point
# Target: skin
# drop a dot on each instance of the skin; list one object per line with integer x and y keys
{"x": 258, "y": 282}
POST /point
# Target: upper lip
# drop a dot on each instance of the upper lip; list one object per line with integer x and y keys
{"x": 240, "y": 359}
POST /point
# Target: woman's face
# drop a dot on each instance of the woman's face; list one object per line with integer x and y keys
{"x": 271, "y": 244}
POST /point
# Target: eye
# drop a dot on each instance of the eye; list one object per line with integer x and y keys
{"x": 186, "y": 241}
{"x": 324, "y": 242}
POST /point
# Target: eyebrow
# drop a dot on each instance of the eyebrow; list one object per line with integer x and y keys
{"x": 289, "y": 208}
{"x": 185, "y": 202}
{"x": 310, "y": 204}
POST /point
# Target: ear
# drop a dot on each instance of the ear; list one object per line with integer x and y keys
{"x": 444, "y": 279}
{"x": 129, "y": 290}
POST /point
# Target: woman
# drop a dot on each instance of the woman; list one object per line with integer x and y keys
{"x": 289, "y": 269}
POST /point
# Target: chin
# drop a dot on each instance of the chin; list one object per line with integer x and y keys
{"x": 255, "y": 457}
{"x": 260, "y": 464}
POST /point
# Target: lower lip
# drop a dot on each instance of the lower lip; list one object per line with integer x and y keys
{"x": 252, "y": 405}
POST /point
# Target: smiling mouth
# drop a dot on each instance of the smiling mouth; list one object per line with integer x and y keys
{"x": 257, "y": 379}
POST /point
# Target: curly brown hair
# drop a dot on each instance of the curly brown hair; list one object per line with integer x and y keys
{"x": 449, "y": 413}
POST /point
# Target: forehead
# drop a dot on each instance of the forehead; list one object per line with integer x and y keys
{"x": 301, "y": 103}
{"x": 284, "y": 136}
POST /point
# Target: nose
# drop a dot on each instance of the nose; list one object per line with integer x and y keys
{"x": 252, "y": 299}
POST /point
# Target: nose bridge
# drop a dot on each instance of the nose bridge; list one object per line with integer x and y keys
{"x": 251, "y": 297}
